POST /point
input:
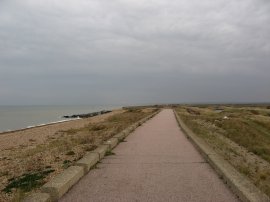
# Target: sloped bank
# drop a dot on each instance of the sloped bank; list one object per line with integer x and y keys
{"x": 239, "y": 184}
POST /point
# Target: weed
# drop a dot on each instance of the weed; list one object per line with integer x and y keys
{"x": 66, "y": 164}
{"x": 70, "y": 153}
{"x": 109, "y": 153}
{"x": 192, "y": 111}
{"x": 89, "y": 148}
{"x": 245, "y": 170}
{"x": 263, "y": 176}
{"x": 134, "y": 109}
{"x": 254, "y": 112}
{"x": 71, "y": 131}
{"x": 85, "y": 140}
{"x": 97, "y": 127}
{"x": 27, "y": 181}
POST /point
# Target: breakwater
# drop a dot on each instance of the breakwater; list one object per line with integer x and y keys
{"x": 88, "y": 115}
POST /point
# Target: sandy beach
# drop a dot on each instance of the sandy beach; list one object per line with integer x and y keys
{"x": 39, "y": 135}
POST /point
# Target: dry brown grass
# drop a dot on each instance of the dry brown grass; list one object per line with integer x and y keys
{"x": 243, "y": 139}
{"x": 59, "y": 151}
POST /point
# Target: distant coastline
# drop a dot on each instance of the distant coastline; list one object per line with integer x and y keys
{"x": 18, "y": 118}
{"x": 66, "y": 119}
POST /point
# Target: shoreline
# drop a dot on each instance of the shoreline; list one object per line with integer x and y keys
{"x": 37, "y": 126}
{"x": 66, "y": 118}
{"x": 41, "y": 132}
{"x": 16, "y": 118}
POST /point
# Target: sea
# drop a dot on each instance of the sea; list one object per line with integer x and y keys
{"x": 19, "y": 117}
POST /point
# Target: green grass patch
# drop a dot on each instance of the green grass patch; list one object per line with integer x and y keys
{"x": 66, "y": 164}
{"x": 27, "y": 181}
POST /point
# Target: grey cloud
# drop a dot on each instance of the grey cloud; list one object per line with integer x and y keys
{"x": 134, "y": 51}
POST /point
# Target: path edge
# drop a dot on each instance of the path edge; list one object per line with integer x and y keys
{"x": 54, "y": 189}
{"x": 237, "y": 182}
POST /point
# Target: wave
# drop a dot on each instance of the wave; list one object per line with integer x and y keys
{"x": 39, "y": 125}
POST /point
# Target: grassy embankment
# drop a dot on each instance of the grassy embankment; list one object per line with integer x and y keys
{"x": 240, "y": 134}
{"x": 26, "y": 169}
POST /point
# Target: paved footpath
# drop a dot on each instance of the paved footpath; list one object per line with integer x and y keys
{"x": 157, "y": 163}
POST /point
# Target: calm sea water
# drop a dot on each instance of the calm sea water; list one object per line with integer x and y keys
{"x": 17, "y": 117}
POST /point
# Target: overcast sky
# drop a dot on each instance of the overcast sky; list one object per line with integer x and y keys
{"x": 134, "y": 51}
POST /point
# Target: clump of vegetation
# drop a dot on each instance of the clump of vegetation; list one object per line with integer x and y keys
{"x": 89, "y": 148}
{"x": 109, "y": 153}
{"x": 122, "y": 140}
{"x": 70, "y": 153}
{"x": 27, "y": 181}
{"x": 133, "y": 109}
{"x": 70, "y": 131}
{"x": 254, "y": 112}
{"x": 66, "y": 164}
{"x": 192, "y": 111}
{"x": 97, "y": 127}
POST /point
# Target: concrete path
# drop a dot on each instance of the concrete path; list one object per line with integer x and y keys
{"x": 157, "y": 163}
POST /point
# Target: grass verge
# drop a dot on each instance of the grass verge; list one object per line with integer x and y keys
{"x": 240, "y": 134}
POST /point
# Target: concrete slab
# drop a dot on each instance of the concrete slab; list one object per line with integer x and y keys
{"x": 37, "y": 197}
{"x": 88, "y": 161}
{"x": 112, "y": 142}
{"x": 62, "y": 182}
{"x": 101, "y": 150}
{"x": 120, "y": 136}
